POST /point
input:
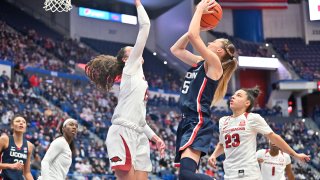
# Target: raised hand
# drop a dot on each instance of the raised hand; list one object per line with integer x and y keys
{"x": 302, "y": 157}
{"x": 137, "y": 2}
{"x": 206, "y": 5}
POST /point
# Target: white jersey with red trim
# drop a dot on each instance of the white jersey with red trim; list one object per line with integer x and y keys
{"x": 131, "y": 109}
{"x": 238, "y": 136}
{"x": 273, "y": 167}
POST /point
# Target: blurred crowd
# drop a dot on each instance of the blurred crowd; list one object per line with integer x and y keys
{"x": 46, "y": 101}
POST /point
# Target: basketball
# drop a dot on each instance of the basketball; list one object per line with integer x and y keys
{"x": 212, "y": 20}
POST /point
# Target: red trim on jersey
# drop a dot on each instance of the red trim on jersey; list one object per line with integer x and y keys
{"x": 246, "y": 114}
{"x": 267, "y": 150}
{"x": 176, "y": 165}
{"x": 198, "y": 126}
{"x": 127, "y": 165}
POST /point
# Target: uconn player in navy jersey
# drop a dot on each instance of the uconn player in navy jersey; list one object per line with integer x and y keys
{"x": 16, "y": 152}
{"x": 205, "y": 84}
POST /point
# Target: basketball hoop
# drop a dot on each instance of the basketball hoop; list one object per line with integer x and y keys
{"x": 57, "y": 5}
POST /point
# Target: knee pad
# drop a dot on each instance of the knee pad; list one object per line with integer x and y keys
{"x": 188, "y": 168}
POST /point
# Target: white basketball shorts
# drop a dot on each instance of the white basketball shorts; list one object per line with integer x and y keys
{"x": 126, "y": 148}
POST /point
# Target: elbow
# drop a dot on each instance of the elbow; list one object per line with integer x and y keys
{"x": 192, "y": 36}
{"x": 274, "y": 138}
{"x": 173, "y": 49}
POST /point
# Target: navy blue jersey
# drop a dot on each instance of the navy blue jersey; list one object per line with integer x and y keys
{"x": 12, "y": 155}
{"x": 197, "y": 92}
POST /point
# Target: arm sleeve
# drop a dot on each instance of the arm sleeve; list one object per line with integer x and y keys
{"x": 148, "y": 131}
{"x": 258, "y": 124}
{"x": 54, "y": 150}
{"x": 287, "y": 158}
{"x": 133, "y": 63}
{"x": 260, "y": 153}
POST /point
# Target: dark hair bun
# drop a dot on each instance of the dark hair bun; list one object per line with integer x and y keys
{"x": 254, "y": 92}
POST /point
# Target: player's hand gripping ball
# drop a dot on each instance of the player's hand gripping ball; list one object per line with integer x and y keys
{"x": 212, "y": 15}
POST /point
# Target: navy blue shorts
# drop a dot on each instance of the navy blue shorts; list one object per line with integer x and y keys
{"x": 193, "y": 132}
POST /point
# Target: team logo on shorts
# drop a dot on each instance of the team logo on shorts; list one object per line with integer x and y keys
{"x": 115, "y": 159}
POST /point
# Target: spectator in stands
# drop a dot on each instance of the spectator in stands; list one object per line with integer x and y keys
{"x": 316, "y": 75}
{"x": 4, "y": 76}
{"x": 285, "y": 51}
{"x": 18, "y": 74}
{"x": 35, "y": 83}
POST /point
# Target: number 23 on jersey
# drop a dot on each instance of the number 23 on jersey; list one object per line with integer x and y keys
{"x": 232, "y": 140}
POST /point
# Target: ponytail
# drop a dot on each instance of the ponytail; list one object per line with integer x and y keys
{"x": 229, "y": 65}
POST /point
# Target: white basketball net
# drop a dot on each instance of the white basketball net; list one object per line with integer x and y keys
{"x": 57, "y": 5}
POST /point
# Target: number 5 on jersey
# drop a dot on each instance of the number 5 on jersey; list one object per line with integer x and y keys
{"x": 185, "y": 87}
{"x": 232, "y": 140}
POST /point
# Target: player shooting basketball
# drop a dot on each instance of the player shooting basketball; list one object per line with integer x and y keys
{"x": 205, "y": 84}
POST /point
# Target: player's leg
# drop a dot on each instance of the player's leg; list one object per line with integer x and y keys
{"x": 125, "y": 175}
{"x": 193, "y": 146}
{"x": 142, "y": 163}
{"x": 141, "y": 175}
{"x": 121, "y": 152}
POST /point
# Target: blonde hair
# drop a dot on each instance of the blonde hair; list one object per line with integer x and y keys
{"x": 229, "y": 65}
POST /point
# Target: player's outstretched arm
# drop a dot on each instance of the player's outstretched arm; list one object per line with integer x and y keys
{"x": 217, "y": 152}
{"x": 179, "y": 50}
{"x": 144, "y": 28}
{"x": 156, "y": 139}
{"x": 277, "y": 140}
{"x": 194, "y": 36}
